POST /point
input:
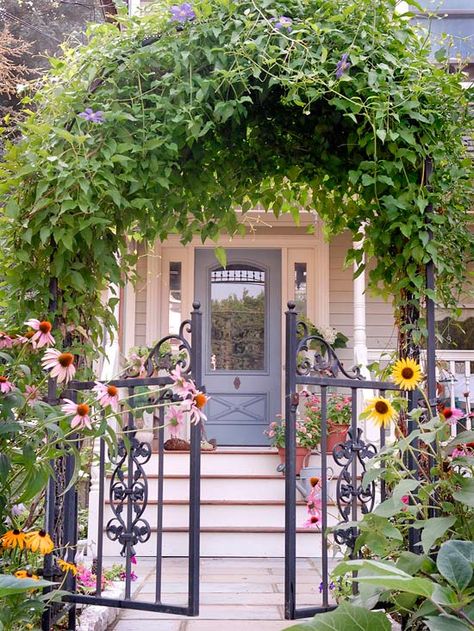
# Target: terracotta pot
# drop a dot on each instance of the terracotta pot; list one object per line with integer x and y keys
{"x": 336, "y": 434}
{"x": 302, "y": 457}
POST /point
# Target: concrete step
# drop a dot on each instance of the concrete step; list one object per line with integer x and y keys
{"x": 228, "y": 461}
{"x": 227, "y": 542}
{"x": 240, "y": 514}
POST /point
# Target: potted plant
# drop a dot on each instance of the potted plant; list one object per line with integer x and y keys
{"x": 308, "y": 436}
{"x": 339, "y": 414}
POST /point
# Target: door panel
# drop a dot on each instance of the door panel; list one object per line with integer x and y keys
{"x": 241, "y": 306}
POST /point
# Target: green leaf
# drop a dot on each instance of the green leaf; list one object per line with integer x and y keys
{"x": 455, "y": 562}
{"x": 433, "y": 529}
{"x": 446, "y": 623}
{"x": 466, "y": 494}
{"x": 382, "y": 134}
{"x": 12, "y": 585}
{"x": 221, "y": 255}
{"x": 346, "y": 617}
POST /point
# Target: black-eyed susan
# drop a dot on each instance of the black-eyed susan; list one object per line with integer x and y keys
{"x": 26, "y": 574}
{"x": 380, "y": 411}
{"x": 65, "y": 566}
{"x": 14, "y": 539}
{"x": 39, "y": 541}
{"x": 407, "y": 374}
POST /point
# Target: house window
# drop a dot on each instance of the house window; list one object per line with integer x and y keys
{"x": 451, "y": 26}
{"x": 174, "y": 296}
{"x": 237, "y": 318}
{"x": 301, "y": 288}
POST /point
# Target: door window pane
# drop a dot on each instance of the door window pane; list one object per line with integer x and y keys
{"x": 237, "y": 318}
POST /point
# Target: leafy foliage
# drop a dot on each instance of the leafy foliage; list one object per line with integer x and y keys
{"x": 231, "y": 110}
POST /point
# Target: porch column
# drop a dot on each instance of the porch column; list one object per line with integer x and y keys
{"x": 133, "y": 7}
{"x": 360, "y": 336}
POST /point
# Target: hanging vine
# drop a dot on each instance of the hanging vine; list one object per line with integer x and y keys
{"x": 175, "y": 120}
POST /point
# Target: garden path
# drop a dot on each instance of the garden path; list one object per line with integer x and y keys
{"x": 236, "y": 594}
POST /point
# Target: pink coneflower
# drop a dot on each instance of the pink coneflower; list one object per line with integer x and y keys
{"x": 5, "y": 385}
{"x": 405, "y": 499}
{"x": 452, "y": 415}
{"x": 174, "y": 418}
{"x": 198, "y": 401}
{"x": 107, "y": 395}
{"x": 60, "y": 364}
{"x": 312, "y": 521}
{"x": 181, "y": 385}
{"x": 32, "y": 395}
{"x": 80, "y": 411}
{"x": 5, "y": 340}
{"x": 43, "y": 336}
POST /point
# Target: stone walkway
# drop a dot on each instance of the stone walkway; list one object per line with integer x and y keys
{"x": 236, "y": 594}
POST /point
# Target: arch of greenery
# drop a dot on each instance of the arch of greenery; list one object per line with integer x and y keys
{"x": 336, "y": 111}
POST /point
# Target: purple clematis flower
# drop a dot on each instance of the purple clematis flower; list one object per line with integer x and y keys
{"x": 283, "y": 22}
{"x": 331, "y": 586}
{"x": 182, "y": 13}
{"x": 93, "y": 117}
{"x": 343, "y": 65}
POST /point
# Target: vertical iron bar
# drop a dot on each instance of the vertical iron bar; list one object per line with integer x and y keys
{"x": 354, "y": 459}
{"x": 100, "y": 525}
{"x": 159, "y": 507}
{"x": 383, "y": 486}
{"x": 413, "y": 466}
{"x": 290, "y": 471}
{"x": 50, "y": 515}
{"x": 324, "y": 497}
{"x": 130, "y": 483}
{"x": 195, "y": 468}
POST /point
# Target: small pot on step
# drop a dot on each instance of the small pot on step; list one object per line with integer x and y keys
{"x": 337, "y": 433}
{"x": 302, "y": 457}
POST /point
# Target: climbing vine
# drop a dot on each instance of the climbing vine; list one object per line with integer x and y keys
{"x": 171, "y": 122}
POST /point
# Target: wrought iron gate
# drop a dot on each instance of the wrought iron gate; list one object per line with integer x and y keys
{"x": 128, "y": 491}
{"x": 321, "y": 370}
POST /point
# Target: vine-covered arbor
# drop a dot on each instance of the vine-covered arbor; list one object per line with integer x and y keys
{"x": 173, "y": 121}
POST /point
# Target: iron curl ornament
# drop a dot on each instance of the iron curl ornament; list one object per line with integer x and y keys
{"x": 353, "y": 453}
{"x": 324, "y": 362}
{"x": 129, "y": 490}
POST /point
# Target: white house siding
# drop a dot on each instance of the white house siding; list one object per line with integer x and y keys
{"x": 140, "y": 298}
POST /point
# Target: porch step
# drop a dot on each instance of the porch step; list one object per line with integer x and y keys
{"x": 228, "y": 542}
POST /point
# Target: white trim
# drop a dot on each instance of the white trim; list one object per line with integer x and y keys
{"x": 134, "y": 7}
{"x": 129, "y": 309}
{"x": 153, "y": 298}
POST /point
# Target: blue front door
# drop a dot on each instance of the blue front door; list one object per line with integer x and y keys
{"x": 241, "y": 306}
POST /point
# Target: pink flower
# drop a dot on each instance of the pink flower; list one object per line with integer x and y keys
{"x": 43, "y": 336}
{"x": 5, "y": 385}
{"x": 5, "y": 340}
{"x": 181, "y": 385}
{"x": 270, "y": 434}
{"x": 313, "y": 520}
{"x": 80, "y": 411}
{"x": 174, "y": 418}
{"x": 133, "y": 559}
{"x": 196, "y": 404}
{"x": 452, "y": 415}
{"x": 32, "y": 395}
{"x": 107, "y": 395}
{"x": 405, "y": 499}
{"x": 60, "y": 364}
{"x": 460, "y": 452}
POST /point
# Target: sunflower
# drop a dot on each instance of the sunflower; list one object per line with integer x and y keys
{"x": 39, "y": 541}
{"x": 65, "y": 566}
{"x": 380, "y": 411}
{"x": 406, "y": 373}
{"x": 26, "y": 574}
{"x": 14, "y": 539}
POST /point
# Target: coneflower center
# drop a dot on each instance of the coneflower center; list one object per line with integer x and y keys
{"x": 381, "y": 407}
{"x": 200, "y": 400}
{"x": 313, "y": 481}
{"x": 65, "y": 359}
{"x": 3, "y": 379}
{"x": 447, "y": 412}
{"x": 45, "y": 326}
{"x": 112, "y": 391}
{"x": 408, "y": 373}
{"x": 83, "y": 409}
{"x": 314, "y": 519}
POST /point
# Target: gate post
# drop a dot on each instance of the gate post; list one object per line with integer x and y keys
{"x": 291, "y": 403}
{"x": 195, "y": 466}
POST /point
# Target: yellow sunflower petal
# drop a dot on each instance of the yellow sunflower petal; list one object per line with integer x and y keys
{"x": 407, "y": 374}
{"x": 380, "y": 411}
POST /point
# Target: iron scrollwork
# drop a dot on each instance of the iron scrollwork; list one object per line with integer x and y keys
{"x": 354, "y": 451}
{"x": 324, "y": 362}
{"x": 129, "y": 485}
